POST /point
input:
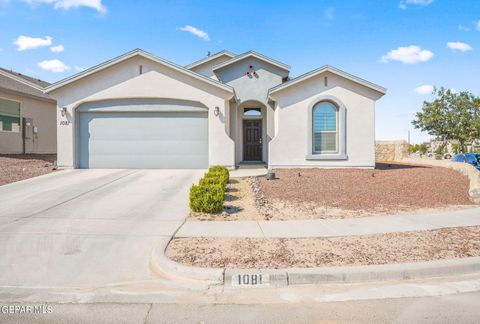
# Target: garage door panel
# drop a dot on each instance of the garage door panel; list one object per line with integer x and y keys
{"x": 143, "y": 140}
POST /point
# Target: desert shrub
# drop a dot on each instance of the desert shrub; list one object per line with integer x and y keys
{"x": 215, "y": 178}
{"x": 220, "y": 169}
{"x": 207, "y": 198}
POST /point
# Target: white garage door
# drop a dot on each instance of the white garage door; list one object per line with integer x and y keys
{"x": 144, "y": 140}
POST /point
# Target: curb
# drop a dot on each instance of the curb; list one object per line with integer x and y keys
{"x": 162, "y": 265}
{"x": 401, "y": 271}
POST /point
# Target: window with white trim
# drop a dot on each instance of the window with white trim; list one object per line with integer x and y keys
{"x": 325, "y": 128}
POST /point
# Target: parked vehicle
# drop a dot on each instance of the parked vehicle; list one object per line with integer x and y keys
{"x": 469, "y": 158}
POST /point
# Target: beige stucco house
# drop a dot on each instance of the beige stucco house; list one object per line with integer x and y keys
{"x": 27, "y": 115}
{"x": 140, "y": 111}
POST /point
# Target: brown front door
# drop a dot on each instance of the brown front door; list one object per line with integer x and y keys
{"x": 252, "y": 140}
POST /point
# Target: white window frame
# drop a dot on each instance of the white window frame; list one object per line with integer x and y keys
{"x": 341, "y": 153}
{"x": 316, "y": 106}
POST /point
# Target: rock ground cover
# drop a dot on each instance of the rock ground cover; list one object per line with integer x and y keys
{"x": 317, "y": 252}
{"x": 16, "y": 167}
{"x": 340, "y": 193}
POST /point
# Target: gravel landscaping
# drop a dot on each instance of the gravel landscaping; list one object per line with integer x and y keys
{"x": 339, "y": 193}
{"x": 317, "y": 252}
{"x": 239, "y": 204}
{"x": 18, "y": 167}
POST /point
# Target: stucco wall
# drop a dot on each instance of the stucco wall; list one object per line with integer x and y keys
{"x": 391, "y": 150}
{"x": 251, "y": 87}
{"x": 122, "y": 81}
{"x": 252, "y": 93}
{"x": 289, "y": 147}
{"x": 206, "y": 68}
{"x": 43, "y": 115}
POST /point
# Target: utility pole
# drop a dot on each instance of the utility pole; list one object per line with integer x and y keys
{"x": 408, "y": 137}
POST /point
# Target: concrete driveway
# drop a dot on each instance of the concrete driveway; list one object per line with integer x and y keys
{"x": 88, "y": 228}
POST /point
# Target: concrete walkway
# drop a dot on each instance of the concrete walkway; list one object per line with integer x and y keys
{"x": 331, "y": 227}
{"x": 248, "y": 172}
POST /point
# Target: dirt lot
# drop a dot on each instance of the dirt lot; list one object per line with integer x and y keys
{"x": 317, "y": 252}
{"x": 339, "y": 193}
{"x": 19, "y": 167}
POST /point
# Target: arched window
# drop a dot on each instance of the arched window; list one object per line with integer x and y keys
{"x": 325, "y": 128}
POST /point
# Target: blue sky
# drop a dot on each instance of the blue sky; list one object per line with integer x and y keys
{"x": 401, "y": 45}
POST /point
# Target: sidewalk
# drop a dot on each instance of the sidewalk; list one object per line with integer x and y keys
{"x": 330, "y": 227}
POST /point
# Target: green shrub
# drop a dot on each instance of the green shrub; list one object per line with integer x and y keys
{"x": 220, "y": 169}
{"x": 215, "y": 178}
{"x": 207, "y": 198}
{"x": 210, "y": 179}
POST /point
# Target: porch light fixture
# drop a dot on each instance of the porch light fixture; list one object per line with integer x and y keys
{"x": 216, "y": 111}
{"x": 64, "y": 111}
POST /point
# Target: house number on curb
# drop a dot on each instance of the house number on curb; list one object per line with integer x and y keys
{"x": 250, "y": 279}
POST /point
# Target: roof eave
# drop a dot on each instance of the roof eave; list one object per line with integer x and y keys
{"x": 254, "y": 54}
{"x": 126, "y": 56}
{"x": 209, "y": 58}
{"x": 326, "y": 68}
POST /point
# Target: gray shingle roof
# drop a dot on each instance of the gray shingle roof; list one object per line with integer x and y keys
{"x": 22, "y": 84}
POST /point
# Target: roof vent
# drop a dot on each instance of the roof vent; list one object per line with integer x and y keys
{"x": 208, "y": 53}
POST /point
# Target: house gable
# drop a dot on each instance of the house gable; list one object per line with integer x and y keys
{"x": 251, "y": 76}
{"x": 149, "y": 60}
{"x": 205, "y": 65}
{"x": 321, "y": 76}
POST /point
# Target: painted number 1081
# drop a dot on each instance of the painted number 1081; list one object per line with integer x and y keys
{"x": 248, "y": 280}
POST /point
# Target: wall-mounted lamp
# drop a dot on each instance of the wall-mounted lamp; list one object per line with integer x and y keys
{"x": 63, "y": 111}
{"x": 216, "y": 111}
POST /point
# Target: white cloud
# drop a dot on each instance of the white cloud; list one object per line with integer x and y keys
{"x": 424, "y": 89}
{"x": 478, "y": 25}
{"x": 404, "y": 4}
{"x": 463, "y": 28}
{"x": 55, "y": 65}
{"x": 195, "y": 31}
{"x": 459, "y": 46}
{"x": 79, "y": 68}
{"x": 70, "y": 4}
{"x": 408, "y": 55}
{"x": 24, "y": 42}
{"x": 57, "y": 48}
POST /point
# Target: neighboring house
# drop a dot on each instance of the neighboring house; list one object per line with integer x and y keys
{"x": 452, "y": 146}
{"x": 27, "y": 115}
{"x": 140, "y": 111}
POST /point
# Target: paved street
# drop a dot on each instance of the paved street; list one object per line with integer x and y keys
{"x": 88, "y": 228}
{"x": 461, "y": 308}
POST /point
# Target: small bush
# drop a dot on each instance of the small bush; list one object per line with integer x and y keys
{"x": 208, "y": 196}
{"x": 220, "y": 169}
{"x": 215, "y": 178}
{"x": 211, "y": 179}
{"x": 206, "y": 199}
